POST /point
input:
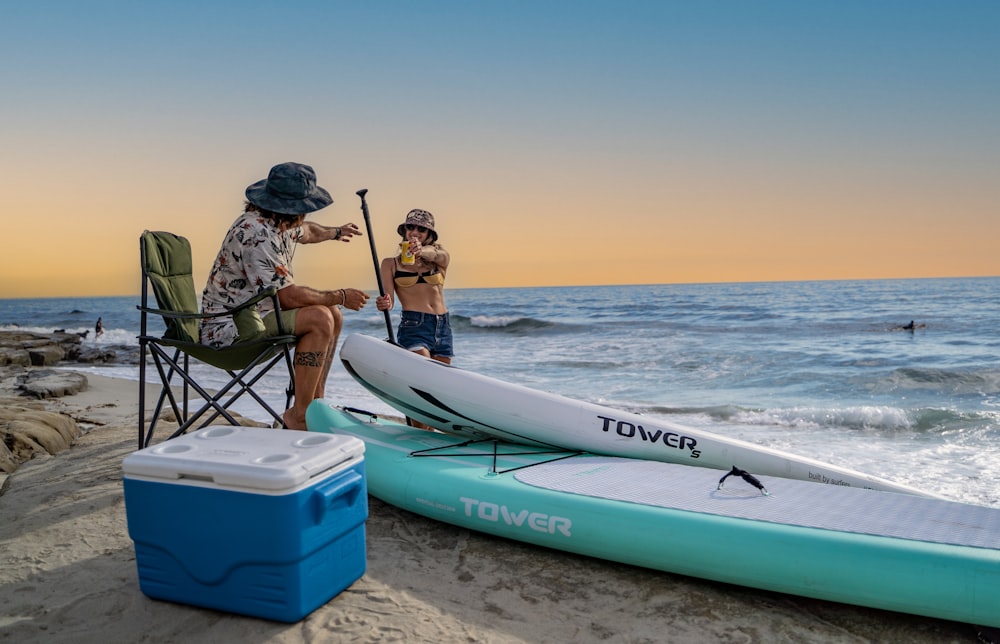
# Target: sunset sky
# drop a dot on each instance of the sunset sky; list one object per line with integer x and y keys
{"x": 557, "y": 142}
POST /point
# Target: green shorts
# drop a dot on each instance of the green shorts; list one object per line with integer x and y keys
{"x": 250, "y": 326}
{"x": 287, "y": 321}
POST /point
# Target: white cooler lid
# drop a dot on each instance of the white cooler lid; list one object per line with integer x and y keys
{"x": 245, "y": 457}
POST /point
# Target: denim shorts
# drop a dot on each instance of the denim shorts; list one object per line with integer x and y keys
{"x": 426, "y": 331}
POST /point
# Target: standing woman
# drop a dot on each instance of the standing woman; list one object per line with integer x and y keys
{"x": 424, "y": 326}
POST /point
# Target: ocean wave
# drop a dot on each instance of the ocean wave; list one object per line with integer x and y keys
{"x": 951, "y": 381}
{"x": 862, "y": 417}
{"x": 28, "y": 328}
{"x": 504, "y": 324}
{"x": 110, "y": 337}
{"x": 585, "y": 365}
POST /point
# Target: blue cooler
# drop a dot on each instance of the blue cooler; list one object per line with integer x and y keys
{"x": 263, "y": 522}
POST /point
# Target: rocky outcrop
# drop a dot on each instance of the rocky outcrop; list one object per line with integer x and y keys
{"x": 29, "y": 389}
{"x": 26, "y": 348}
{"x": 28, "y": 430}
{"x": 50, "y": 383}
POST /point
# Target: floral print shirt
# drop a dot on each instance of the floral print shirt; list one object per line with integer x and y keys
{"x": 254, "y": 256}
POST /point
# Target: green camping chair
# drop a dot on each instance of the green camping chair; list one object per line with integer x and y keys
{"x": 166, "y": 266}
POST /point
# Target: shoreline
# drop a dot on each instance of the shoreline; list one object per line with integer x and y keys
{"x": 68, "y": 574}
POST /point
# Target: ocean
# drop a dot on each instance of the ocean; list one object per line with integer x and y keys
{"x": 825, "y": 369}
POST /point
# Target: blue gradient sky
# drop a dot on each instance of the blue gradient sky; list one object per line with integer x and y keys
{"x": 563, "y": 142}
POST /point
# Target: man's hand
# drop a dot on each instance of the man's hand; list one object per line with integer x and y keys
{"x": 347, "y": 231}
{"x": 313, "y": 233}
{"x": 354, "y": 299}
{"x": 296, "y": 296}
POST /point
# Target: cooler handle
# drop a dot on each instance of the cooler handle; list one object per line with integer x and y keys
{"x": 329, "y": 492}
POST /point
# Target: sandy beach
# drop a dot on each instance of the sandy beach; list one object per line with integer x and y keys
{"x": 68, "y": 574}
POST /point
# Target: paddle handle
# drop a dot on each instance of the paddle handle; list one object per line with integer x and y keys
{"x": 378, "y": 273}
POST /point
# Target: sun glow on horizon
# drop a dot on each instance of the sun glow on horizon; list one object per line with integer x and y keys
{"x": 669, "y": 144}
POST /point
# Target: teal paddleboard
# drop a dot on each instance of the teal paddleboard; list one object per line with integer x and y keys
{"x": 872, "y": 548}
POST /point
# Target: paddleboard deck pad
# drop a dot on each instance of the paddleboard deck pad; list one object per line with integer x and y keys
{"x": 871, "y": 548}
{"x": 468, "y": 404}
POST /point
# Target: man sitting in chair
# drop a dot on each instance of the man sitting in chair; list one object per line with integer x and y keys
{"x": 256, "y": 254}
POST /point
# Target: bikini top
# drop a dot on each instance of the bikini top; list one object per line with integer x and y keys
{"x": 404, "y": 279}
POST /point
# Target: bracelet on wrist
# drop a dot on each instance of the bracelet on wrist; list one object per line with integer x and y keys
{"x": 340, "y": 232}
{"x": 343, "y": 297}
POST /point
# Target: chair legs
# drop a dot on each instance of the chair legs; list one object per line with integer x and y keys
{"x": 167, "y": 366}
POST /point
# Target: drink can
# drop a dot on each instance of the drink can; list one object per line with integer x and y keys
{"x": 407, "y": 257}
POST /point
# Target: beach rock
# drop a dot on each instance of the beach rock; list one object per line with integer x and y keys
{"x": 46, "y": 354}
{"x": 14, "y": 356}
{"x": 27, "y": 431}
{"x": 27, "y": 428}
{"x": 92, "y": 355}
{"x": 38, "y": 349}
{"x": 7, "y": 461}
{"x": 49, "y": 383}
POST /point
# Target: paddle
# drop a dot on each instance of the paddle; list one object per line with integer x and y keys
{"x": 378, "y": 274}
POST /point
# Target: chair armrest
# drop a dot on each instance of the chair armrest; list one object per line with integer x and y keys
{"x": 270, "y": 291}
{"x": 180, "y": 314}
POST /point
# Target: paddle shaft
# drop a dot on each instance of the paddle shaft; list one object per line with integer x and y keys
{"x": 378, "y": 274}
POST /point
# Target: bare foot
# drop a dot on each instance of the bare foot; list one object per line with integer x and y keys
{"x": 419, "y": 425}
{"x": 293, "y": 420}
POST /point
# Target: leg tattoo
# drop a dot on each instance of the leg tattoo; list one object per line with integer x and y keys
{"x": 309, "y": 358}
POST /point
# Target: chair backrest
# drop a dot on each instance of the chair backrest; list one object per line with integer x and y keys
{"x": 166, "y": 263}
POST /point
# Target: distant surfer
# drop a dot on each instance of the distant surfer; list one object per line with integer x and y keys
{"x": 911, "y": 327}
{"x": 99, "y": 328}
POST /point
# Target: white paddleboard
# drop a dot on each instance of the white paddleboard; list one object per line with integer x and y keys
{"x": 461, "y": 402}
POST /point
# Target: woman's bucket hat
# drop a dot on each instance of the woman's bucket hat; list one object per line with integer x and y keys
{"x": 418, "y": 218}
